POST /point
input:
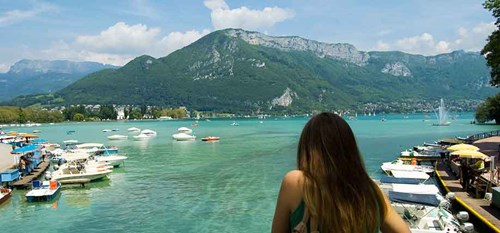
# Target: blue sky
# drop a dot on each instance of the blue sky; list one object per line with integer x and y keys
{"x": 115, "y": 32}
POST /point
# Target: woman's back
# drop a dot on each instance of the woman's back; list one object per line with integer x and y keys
{"x": 331, "y": 190}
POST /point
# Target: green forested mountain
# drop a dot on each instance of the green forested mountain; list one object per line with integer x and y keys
{"x": 239, "y": 71}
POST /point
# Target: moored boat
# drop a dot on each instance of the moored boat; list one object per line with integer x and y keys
{"x": 185, "y": 130}
{"x": 398, "y": 165}
{"x": 210, "y": 139}
{"x": 140, "y": 137}
{"x": 149, "y": 132}
{"x": 183, "y": 137}
{"x": 117, "y": 137}
{"x": 134, "y": 129}
{"x": 5, "y": 194}
{"x": 43, "y": 191}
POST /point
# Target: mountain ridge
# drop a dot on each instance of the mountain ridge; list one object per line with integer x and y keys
{"x": 222, "y": 71}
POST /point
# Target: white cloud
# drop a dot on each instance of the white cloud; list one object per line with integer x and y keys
{"x": 14, "y": 16}
{"x": 472, "y": 39}
{"x": 177, "y": 40}
{"x": 381, "y": 46}
{"x": 224, "y": 17}
{"x": 4, "y": 68}
{"x": 121, "y": 43}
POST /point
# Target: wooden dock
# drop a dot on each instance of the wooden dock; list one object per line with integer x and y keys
{"x": 479, "y": 207}
{"x": 26, "y": 181}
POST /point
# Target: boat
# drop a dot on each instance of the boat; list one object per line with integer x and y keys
{"x": 442, "y": 115}
{"x": 106, "y": 130}
{"x": 141, "y": 137}
{"x": 117, "y": 137}
{"x": 164, "y": 118}
{"x": 234, "y": 124}
{"x": 43, "y": 191}
{"x": 428, "y": 213}
{"x": 134, "y": 129}
{"x": 410, "y": 188}
{"x": 5, "y": 194}
{"x": 69, "y": 132}
{"x": 210, "y": 139}
{"x": 183, "y": 137}
{"x": 410, "y": 174}
{"x": 72, "y": 171}
{"x": 70, "y": 142}
{"x": 37, "y": 131}
{"x": 114, "y": 130}
{"x": 398, "y": 165}
{"x": 185, "y": 130}
{"x": 149, "y": 132}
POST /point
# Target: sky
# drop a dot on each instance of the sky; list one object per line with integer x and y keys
{"x": 116, "y": 31}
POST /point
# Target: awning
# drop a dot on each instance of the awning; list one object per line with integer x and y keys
{"x": 25, "y": 149}
{"x": 469, "y": 154}
{"x": 462, "y": 146}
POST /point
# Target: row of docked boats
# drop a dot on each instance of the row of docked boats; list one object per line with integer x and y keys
{"x": 417, "y": 199}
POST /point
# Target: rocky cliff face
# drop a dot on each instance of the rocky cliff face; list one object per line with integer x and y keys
{"x": 396, "y": 69}
{"x": 341, "y": 51}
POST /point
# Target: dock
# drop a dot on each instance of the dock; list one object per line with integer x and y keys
{"x": 479, "y": 207}
{"x": 26, "y": 181}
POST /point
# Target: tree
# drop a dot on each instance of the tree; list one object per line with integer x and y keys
{"x": 489, "y": 110}
{"x": 78, "y": 117}
{"x": 492, "y": 48}
{"x": 22, "y": 116}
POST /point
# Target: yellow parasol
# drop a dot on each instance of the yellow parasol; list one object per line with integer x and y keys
{"x": 12, "y": 133}
{"x": 469, "y": 154}
{"x": 28, "y": 135}
{"x": 462, "y": 146}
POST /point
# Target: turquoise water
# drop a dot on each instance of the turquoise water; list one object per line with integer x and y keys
{"x": 226, "y": 186}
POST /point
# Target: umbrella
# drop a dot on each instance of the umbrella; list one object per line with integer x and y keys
{"x": 469, "y": 154}
{"x": 462, "y": 146}
{"x": 28, "y": 135}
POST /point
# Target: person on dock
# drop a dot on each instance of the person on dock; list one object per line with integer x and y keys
{"x": 464, "y": 170}
{"x": 331, "y": 190}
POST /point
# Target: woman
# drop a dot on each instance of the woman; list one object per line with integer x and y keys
{"x": 331, "y": 190}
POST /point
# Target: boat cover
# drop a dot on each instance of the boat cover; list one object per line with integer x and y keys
{"x": 424, "y": 199}
{"x": 390, "y": 179}
{"x": 410, "y": 174}
{"x": 415, "y": 188}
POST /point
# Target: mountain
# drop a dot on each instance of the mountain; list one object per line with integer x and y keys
{"x": 234, "y": 70}
{"x": 41, "y": 76}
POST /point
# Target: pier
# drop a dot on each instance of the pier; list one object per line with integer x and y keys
{"x": 474, "y": 201}
{"x": 26, "y": 181}
{"x": 479, "y": 207}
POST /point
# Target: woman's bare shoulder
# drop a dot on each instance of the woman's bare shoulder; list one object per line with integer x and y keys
{"x": 294, "y": 178}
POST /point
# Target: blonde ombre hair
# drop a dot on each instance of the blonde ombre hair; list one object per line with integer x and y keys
{"x": 338, "y": 192}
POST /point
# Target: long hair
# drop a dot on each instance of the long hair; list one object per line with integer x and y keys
{"x": 337, "y": 189}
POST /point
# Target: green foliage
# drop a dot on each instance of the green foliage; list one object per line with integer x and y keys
{"x": 489, "y": 110}
{"x": 107, "y": 111}
{"x": 78, "y": 117}
{"x": 23, "y": 115}
{"x": 492, "y": 48}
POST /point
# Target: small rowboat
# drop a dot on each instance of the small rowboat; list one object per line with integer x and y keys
{"x": 210, "y": 139}
{"x": 4, "y": 194}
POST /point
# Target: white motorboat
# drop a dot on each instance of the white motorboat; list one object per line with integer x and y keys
{"x": 427, "y": 213}
{"x": 410, "y": 174}
{"x": 80, "y": 172}
{"x": 117, "y": 137}
{"x": 234, "y": 124}
{"x": 183, "y": 137}
{"x": 141, "y": 137}
{"x": 410, "y": 188}
{"x": 398, "y": 165}
{"x": 70, "y": 142}
{"x": 185, "y": 130}
{"x": 149, "y": 132}
{"x": 134, "y": 129}
{"x": 106, "y": 130}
